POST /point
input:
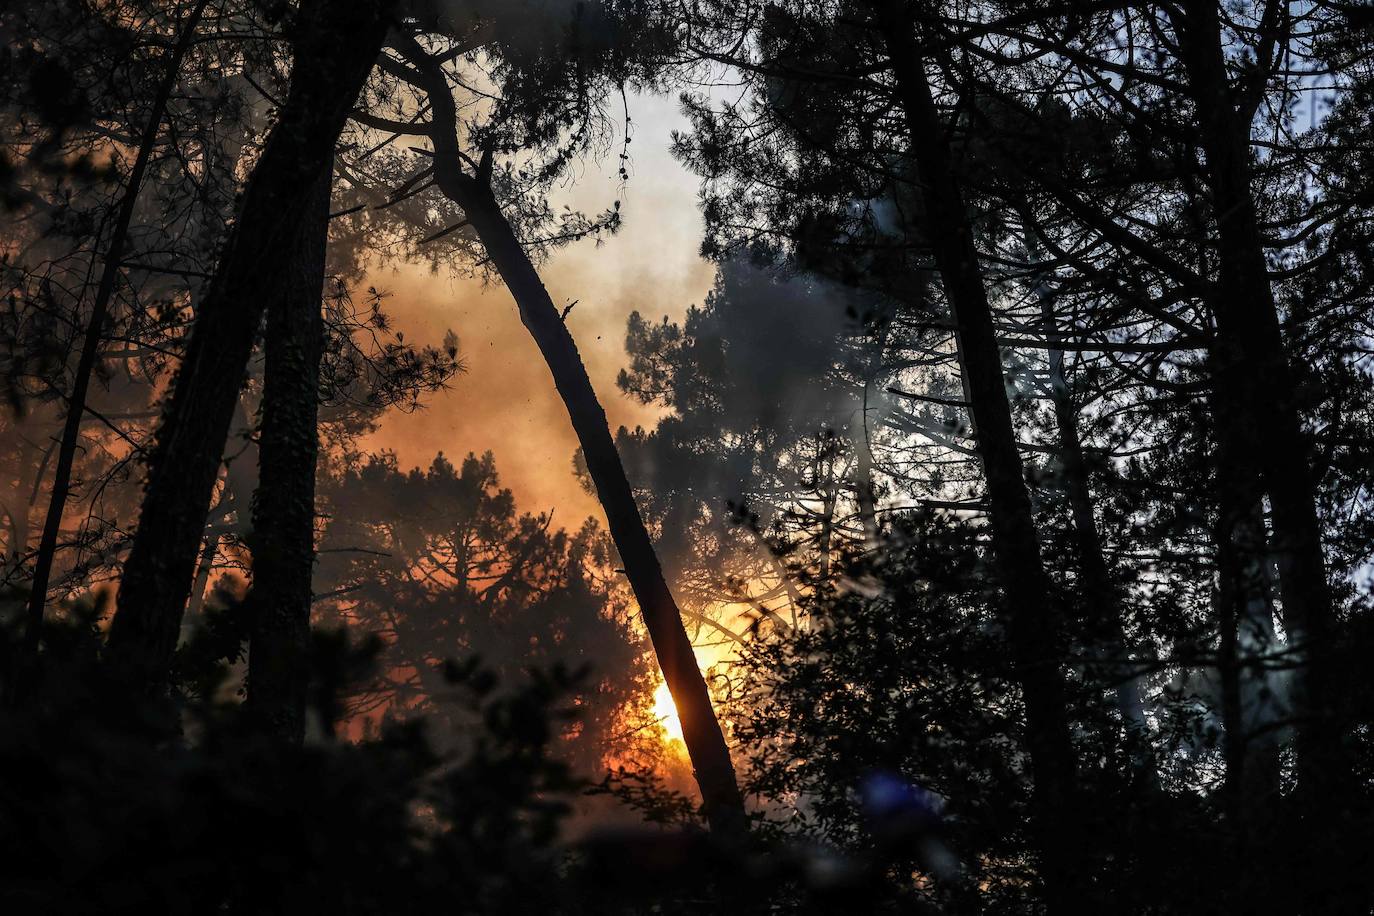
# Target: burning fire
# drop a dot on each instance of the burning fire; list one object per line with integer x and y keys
{"x": 666, "y": 713}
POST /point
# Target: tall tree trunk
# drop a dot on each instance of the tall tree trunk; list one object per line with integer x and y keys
{"x": 90, "y": 346}
{"x": 1250, "y": 749}
{"x": 336, "y": 44}
{"x": 283, "y": 539}
{"x": 1106, "y": 630}
{"x": 715, "y": 772}
{"x": 1031, "y": 618}
{"x": 1251, "y": 361}
{"x": 1247, "y": 650}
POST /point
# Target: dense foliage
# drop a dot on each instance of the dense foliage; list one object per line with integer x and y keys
{"x": 1001, "y": 544}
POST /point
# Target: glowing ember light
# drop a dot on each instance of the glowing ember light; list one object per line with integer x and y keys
{"x": 666, "y": 713}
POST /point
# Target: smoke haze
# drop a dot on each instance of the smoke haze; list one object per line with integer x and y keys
{"x": 506, "y": 401}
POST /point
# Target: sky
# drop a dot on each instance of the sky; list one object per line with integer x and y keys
{"x": 505, "y": 402}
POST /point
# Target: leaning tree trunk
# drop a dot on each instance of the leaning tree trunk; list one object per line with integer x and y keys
{"x": 336, "y": 44}
{"x": 701, "y": 732}
{"x": 90, "y": 347}
{"x": 1031, "y": 618}
{"x": 1250, "y": 348}
{"x": 283, "y": 538}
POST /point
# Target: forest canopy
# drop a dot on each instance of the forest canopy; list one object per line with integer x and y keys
{"x": 966, "y": 412}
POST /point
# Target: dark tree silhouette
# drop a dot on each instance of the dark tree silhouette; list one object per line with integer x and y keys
{"x": 90, "y": 347}
{"x": 1032, "y": 621}
{"x": 334, "y": 48}
{"x": 471, "y": 189}
{"x": 1017, "y": 468}
{"x": 283, "y": 538}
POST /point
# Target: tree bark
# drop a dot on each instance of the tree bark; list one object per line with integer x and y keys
{"x": 713, "y": 768}
{"x": 1250, "y": 793}
{"x": 1252, "y": 364}
{"x": 283, "y": 538}
{"x": 1249, "y": 695}
{"x": 336, "y": 44}
{"x": 715, "y": 772}
{"x": 1032, "y": 620}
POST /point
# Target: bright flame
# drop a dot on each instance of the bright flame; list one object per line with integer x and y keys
{"x": 666, "y": 712}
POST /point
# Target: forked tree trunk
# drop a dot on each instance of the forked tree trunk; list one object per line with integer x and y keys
{"x": 714, "y": 771}
{"x": 336, "y": 44}
{"x": 283, "y": 539}
{"x": 1031, "y": 618}
{"x": 1251, "y": 351}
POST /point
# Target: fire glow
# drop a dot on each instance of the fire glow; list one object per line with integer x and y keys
{"x": 666, "y": 713}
